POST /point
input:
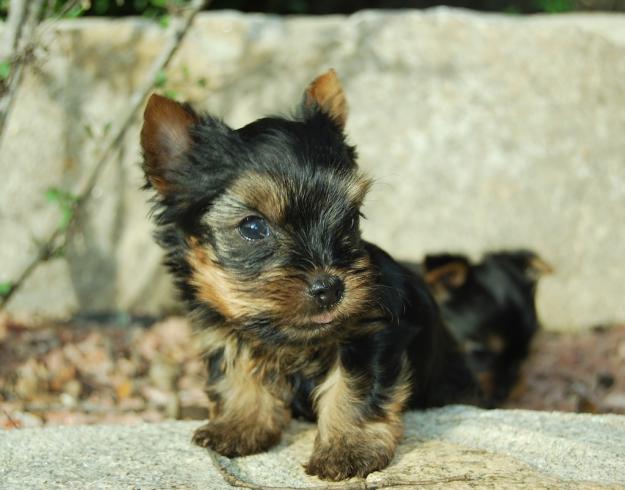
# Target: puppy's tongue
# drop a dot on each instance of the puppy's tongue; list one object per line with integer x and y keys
{"x": 326, "y": 317}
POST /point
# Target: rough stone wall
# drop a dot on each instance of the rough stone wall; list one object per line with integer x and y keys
{"x": 481, "y": 131}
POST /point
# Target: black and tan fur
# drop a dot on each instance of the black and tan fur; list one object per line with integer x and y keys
{"x": 489, "y": 306}
{"x": 298, "y": 314}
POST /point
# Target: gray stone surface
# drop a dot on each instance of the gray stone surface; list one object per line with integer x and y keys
{"x": 454, "y": 447}
{"x": 106, "y": 457}
{"x": 482, "y": 132}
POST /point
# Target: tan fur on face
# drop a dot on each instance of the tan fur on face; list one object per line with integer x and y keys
{"x": 269, "y": 294}
{"x": 213, "y": 284}
{"x": 269, "y": 196}
{"x": 263, "y": 194}
{"x": 358, "y": 293}
{"x": 273, "y": 292}
{"x": 281, "y": 293}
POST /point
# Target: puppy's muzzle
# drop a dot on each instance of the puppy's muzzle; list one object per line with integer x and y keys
{"x": 326, "y": 291}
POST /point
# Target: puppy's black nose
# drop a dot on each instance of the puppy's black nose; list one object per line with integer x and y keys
{"x": 327, "y": 290}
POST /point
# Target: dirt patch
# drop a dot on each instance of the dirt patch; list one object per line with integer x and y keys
{"x": 124, "y": 371}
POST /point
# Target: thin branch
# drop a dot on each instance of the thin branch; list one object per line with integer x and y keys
{"x": 58, "y": 238}
{"x": 13, "y": 28}
{"x": 179, "y": 26}
{"x": 390, "y": 482}
{"x": 10, "y": 419}
{"x": 20, "y": 36}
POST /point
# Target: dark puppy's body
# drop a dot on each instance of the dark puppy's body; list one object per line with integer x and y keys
{"x": 296, "y": 312}
{"x": 489, "y": 306}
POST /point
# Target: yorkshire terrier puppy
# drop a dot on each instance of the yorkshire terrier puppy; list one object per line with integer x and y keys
{"x": 490, "y": 309}
{"x": 295, "y": 310}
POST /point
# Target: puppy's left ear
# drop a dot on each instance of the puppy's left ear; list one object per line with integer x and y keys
{"x": 165, "y": 139}
{"x": 446, "y": 273}
{"x": 326, "y": 94}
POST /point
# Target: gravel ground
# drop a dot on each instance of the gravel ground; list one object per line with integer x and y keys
{"x": 120, "y": 370}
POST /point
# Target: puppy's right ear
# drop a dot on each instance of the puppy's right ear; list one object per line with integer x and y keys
{"x": 165, "y": 138}
{"x": 537, "y": 267}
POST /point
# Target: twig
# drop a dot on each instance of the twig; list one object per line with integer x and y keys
{"x": 13, "y": 28}
{"x": 58, "y": 238}
{"x": 21, "y": 32}
{"x": 22, "y": 36}
{"x": 349, "y": 485}
{"x": 179, "y": 26}
{"x": 11, "y": 420}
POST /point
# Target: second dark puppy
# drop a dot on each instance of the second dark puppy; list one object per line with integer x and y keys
{"x": 490, "y": 308}
{"x": 296, "y": 311}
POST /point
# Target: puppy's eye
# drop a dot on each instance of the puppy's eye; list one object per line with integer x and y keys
{"x": 254, "y": 228}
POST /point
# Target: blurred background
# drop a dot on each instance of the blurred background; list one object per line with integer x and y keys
{"x": 486, "y": 125}
{"x": 156, "y": 8}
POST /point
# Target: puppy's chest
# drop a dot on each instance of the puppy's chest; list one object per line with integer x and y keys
{"x": 226, "y": 352}
{"x": 288, "y": 361}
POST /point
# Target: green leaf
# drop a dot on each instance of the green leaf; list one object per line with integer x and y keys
{"x": 67, "y": 214}
{"x": 172, "y": 94}
{"x": 161, "y": 79}
{"x": 5, "y": 70}
{"x": 555, "y": 6}
{"x": 186, "y": 73}
{"x": 53, "y": 194}
{"x": 66, "y": 202}
{"x": 75, "y": 11}
{"x": 88, "y": 130}
{"x": 140, "y": 5}
{"x": 101, "y": 7}
{"x": 164, "y": 21}
{"x": 5, "y": 288}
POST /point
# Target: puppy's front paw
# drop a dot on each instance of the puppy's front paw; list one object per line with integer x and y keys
{"x": 229, "y": 440}
{"x": 340, "y": 461}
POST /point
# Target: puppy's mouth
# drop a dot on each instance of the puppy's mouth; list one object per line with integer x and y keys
{"x": 323, "y": 318}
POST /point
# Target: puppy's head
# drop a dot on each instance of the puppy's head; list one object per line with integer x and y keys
{"x": 261, "y": 223}
{"x": 500, "y": 281}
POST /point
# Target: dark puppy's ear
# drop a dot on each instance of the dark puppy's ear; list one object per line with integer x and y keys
{"x": 165, "y": 138}
{"x": 326, "y": 94}
{"x": 528, "y": 262}
{"x": 446, "y": 272}
{"x": 537, "y": 267}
